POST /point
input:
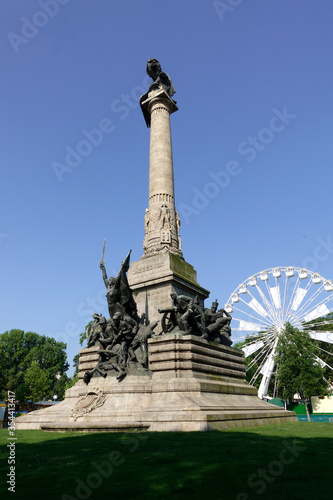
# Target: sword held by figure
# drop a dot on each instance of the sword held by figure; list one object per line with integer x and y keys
{"x": 102, "y": 261}
{"x": 119, "y": 294}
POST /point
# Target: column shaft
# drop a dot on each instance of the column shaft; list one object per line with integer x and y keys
{"x": 162, "y": 221}
{"x": 161, "y": 184}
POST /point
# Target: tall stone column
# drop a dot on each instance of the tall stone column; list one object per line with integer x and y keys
{"x": 162, "y": 268}
{"x": 161, "y": 221}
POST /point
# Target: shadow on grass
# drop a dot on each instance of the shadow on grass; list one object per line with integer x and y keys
{"x": 271, "y": 462}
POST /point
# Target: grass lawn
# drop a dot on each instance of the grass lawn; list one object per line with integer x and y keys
{"x": 286, "y": 461}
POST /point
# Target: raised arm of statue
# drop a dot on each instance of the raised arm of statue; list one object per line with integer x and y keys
{"x": 223, "y": 312}
{"x": 105, "y": 277}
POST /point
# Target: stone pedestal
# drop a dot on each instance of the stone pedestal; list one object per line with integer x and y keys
{"x": 87, "y": 360}
{"x": 153, "y": 278}
{"x": 195, "y": 385}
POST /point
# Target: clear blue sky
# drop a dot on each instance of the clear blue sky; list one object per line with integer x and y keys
{"x": 235, "y": 71}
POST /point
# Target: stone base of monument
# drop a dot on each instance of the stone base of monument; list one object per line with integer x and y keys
{"x": 154, "y": 277}
{"x": 195, "y": 385}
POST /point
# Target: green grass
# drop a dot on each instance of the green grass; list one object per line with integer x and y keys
{"x": 216, "y": 465}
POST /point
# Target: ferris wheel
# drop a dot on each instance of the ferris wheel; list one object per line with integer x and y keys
{"x": 262, "y": 305}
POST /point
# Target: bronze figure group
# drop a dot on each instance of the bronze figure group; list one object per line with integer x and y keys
{"x": 122, "y": 338}
{"x": 187, "y": 317}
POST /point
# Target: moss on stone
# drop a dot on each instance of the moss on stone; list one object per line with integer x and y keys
{"x": 183, "y": 268}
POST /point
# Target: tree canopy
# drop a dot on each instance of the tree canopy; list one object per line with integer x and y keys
{"x": 76, "y": 360}
{"x": 83, "y": 335}
{"x": 31, "y": 365}
{"x": 298, "y": 369}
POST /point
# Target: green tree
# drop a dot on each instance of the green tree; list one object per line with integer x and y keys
{"x": 72, "y": 380}
{"x": 298, "y": 370}
{"x": 18, "y": 351}
{"x": 60, "y": 387}
{"x": 76, "y": 360}
{"x": 37, "y": 382}
{"x": 83, "y": 335}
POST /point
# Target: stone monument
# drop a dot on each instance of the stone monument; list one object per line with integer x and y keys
{"x": 182, "y": 375}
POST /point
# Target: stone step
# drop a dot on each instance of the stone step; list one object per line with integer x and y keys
{"x": 95, "y": 427}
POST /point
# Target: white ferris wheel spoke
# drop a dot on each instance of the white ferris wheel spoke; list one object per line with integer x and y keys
{"x": 318, "y": 310}
{"x": 275, "y": 300}
{"x": 265, "y": 340}
{"x": 264, "y": 337}
{"x": 290, "y": 302}
{"x": 308, "y": 304}
{"x": 286, "y": 288}
{"x": 250, "y": 349}
{"x": 267, "y": 372}
{"x": 256, "y": 307}
{"x": 260, "y": 367}
{"x": 271, "y": 301}
{"x": 320, "y": 323}
{"x": 323, "y": 363}
{"x": 257, "y": 326}
{"x": 327, "y": 352}
{"x": 265, "y": 353}
{"x": 322, "y": 336}
{"x": 265, "y": 302}
{"x": 277, "y": 287}
{"x": 290, "y": 299}
{"x": 268, "y": 324}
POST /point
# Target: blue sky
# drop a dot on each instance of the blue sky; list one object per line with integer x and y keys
{"x": 254, "y": 87}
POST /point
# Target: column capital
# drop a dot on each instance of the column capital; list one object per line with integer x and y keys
{"x": 159, "y": 96}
